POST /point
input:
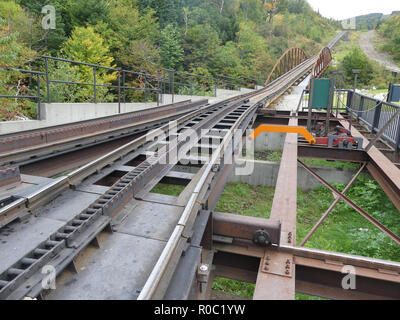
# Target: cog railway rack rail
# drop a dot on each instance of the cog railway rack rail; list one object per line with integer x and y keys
{"x": 108, "y": 237}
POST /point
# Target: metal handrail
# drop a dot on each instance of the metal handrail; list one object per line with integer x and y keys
{"x": 157, "y": 84}
{"x": 37, "y": 97}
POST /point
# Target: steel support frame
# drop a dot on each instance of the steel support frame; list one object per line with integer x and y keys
{"x": 314, "y": 272}
{"x": 381, "y": 168}
{"x": 318, "y": 273}
{"x": 284, "y": 209}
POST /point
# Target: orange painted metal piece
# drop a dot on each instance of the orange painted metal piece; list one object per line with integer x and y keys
{"x": 284, "y": 129}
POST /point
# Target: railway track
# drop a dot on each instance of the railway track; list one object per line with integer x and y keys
{"x": 101, "y": 232}
{"x": 22, "y": 148}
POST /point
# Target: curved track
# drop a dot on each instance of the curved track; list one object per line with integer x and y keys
{"x": 102, "y": 232}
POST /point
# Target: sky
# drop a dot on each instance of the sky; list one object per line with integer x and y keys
{"x": 344, "y": 9}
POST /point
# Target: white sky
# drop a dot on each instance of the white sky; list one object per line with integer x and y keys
{"x": 344, "y": 9}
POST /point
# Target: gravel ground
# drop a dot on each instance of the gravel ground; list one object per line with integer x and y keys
{"x": 367, "y": 41}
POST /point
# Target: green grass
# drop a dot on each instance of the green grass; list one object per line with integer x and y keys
{"x": 168, "y": 189}
{"x": 245, "y": 290}
{"x": 276, "y": 156}
{"x": 343, "y": 231}
{"x": 332, "y": 164}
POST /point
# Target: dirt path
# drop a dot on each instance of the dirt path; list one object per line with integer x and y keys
{"x": 367, "y": 41}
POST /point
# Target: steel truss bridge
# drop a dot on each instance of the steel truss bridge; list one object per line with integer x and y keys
{"x": 102, "y": 234}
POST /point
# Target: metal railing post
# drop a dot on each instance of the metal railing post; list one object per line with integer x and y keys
{"x": 397, "y": 147}
{"x": 145, "y": 86}
{"x": 123, "y": 84}
{"x": 119, "y": 90}
{"x": 94, "y": 85}
{"x": 47, "y": 79}
{"x": 173, "y": 86}
{"x": 39, "y": 111}
{"x": 361, "y": 108}
{"x": 377, "y": 117}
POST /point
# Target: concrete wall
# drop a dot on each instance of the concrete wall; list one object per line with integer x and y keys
{"x": 61, "y": 113}
{"x": 271, "y": 141}
{"x": 222, "y": 94}
{"x": 266, "y": 174}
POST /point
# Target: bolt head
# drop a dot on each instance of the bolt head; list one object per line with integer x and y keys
{"x": 204, "y": 268}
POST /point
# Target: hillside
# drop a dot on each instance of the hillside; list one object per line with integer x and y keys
{"x": 390, "y": 30}
{"x": 226, "y": 37}
{"x": 372, "y": 20}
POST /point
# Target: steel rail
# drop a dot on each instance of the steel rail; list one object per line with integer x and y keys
{"x": 346, "y": 259}
{"x": 120, "y": 189}
{"x": 22, "y": 146}
{"x": 154, "y": 280}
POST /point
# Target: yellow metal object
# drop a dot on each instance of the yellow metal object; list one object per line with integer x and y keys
{"x": 284, "y": 129}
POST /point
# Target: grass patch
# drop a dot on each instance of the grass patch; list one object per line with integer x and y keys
{"x": 332, "y": 164}
{"x": 343, "y": 231}
{"x": 247, "y": 200}
{"x": 276, "y": 156}
{"x": 168, "y": 189}
{"x": 237, "y": 288}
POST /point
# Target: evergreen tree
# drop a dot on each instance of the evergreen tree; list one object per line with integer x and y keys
{"x": 171, "y": 51}
{"x": 167, "y": 11}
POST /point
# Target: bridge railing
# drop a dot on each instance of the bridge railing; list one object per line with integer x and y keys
{"x": 64, "y": 80}
{"x": 26, "y": 88}
{"x": 179, "y": 82}
{"x": 372, "y": 112}
{"x": 375, "y": 114}
{"x": 109, "y": 83}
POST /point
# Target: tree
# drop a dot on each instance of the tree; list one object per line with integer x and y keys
{"x": 141, "y": 55}
{"x": 51, "y": 40}
{"x": 85, "y": 12}
{"x": 167, "y": 11}
{"x": 356, "y": 59}
{"x": 200, "y": 46}
{"x": 228, "y": 62}
{"x": 86, "y": 45}
{"x": 390, "y": 29}
{"x": 253, "y": 52}
{"x": 271, "y": 7}
{"x": 13, "y": 53}
{"x": 171, "y": 51}
{"x": 120, "y": 35}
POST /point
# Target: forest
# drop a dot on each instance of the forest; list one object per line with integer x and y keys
{"x": 235, "y": 38}
{"x": 390, "y": 30}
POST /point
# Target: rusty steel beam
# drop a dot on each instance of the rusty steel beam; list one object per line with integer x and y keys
{"x": 334, "y": 154}
{"x": 327, "y": 284}
{"x": 318, "y": 272}
{"x": 362, "y": 212}
{"x": 323, "y": 61}
{"x": 290, "y": 59}
{"x": 284, "y": 209}
{"x": 386, "y": 173}
{"x": 333, "y": 205}
{"x": 243, "y": 227}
